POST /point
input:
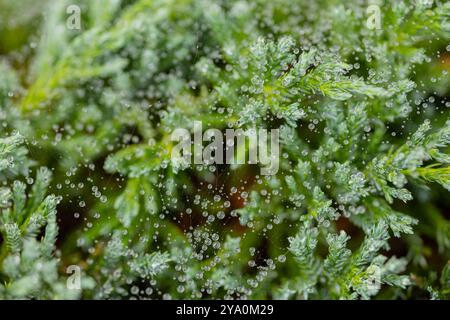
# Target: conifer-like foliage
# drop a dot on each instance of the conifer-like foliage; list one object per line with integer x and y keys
{"x": 360, "y": 93}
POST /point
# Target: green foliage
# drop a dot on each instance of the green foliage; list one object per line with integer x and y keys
{"x": 29, "y": 264}
{"x": 357, "y": 210}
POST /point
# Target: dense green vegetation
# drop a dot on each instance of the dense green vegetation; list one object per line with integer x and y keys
{"x": 358, "y": 209}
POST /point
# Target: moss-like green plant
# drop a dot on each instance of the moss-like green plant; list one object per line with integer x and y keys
{"x": 359, "y": 91}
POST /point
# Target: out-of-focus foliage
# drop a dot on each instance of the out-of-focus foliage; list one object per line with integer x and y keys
{"x": 359, "y": 208}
